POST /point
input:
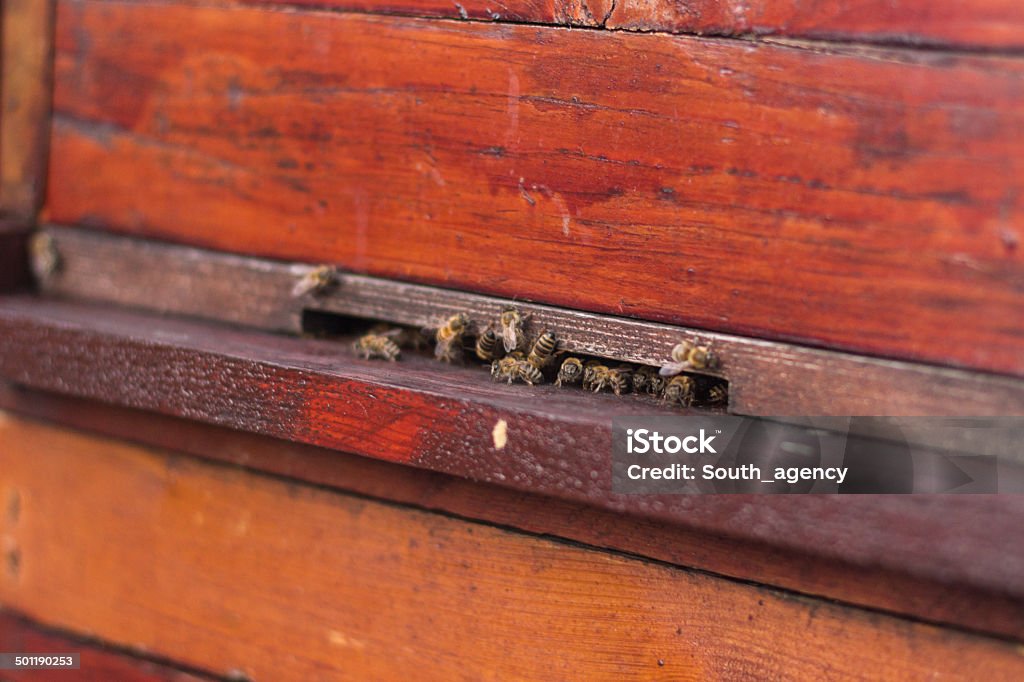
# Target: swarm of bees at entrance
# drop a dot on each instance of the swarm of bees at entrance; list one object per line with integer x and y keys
{"x": 514, "y": 355}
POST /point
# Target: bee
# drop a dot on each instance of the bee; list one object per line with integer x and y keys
{"x": 512, "y": 322}
{"x": 449, "y": 338}
{"x": 316, "y": 281}
{"x": 543, "y": 350}
{"x": 656, "y": 385}
{"x": 680, "y": 390}
{"x": 620, "y": 379}
{"x": 642, "y": 379}
{"x": 505, "y": 369}
{"x": 45, "y": 257}
{"x": 528, "y": 372}
{"x": 595, "y": 376}
{"x": 377, "y": 346}
{"x": 571, "y": 372}
{"x": 487, "y": 345}
{"x": 687, "y": 355}
{"x": 718, "y": 394}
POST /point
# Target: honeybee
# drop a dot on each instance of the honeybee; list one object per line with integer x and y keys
{"x": 528, "y": 372}
{"x": 505, "y": 369}
{"x": 571, "y": 372}
{"x": 543, "y": 350}
{"x": 642, "y": 378}
{"x": 656, "y": 384}
{"x": 487, "y": 345}
{"x": 377, "y": 346}
{"x": 316, "y": 281}
{"x": 680, "y": 390}
{"x": 687, "y": 355}
{"x": 44, "y": 255}
{"x": 449, "y": 338}
{"x": 718, "y": 394}
{"x": 512, "y": 335}
{"x": 620, "y": 379}
{"x": 595, "y": 376}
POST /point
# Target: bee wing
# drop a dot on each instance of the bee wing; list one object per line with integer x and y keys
{"x": 303, "y": 286}
{"x": 509, "y": 339}
{"x": 673, "y": 368}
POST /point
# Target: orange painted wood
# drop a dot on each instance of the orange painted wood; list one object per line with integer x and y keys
{"x": 891, "y": 590}
{"x": 969, "y": 23}
{"x": 98, "y": 664}
{"x": 26, "y": 45}
{"x": 868, "y": 200}
{"x": 227, "y": 571}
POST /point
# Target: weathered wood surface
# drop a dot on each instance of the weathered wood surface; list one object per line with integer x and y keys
{"x": 558, "y": 443}
{"x": 230, "y": 571}
{"x": 26, "y": 45}
{"x": 863, "y": 199}
{"x": 890, "y": 590}
{"x": 98, "y": 663}
{"x": 994, "y": 24}
{"x": 765, "y": 377}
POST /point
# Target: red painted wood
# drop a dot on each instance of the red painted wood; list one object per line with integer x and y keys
{"x": 859, "y": 199}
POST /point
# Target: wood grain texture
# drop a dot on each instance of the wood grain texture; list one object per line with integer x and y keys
{"x": 25, "y": 93}
{"x": 98, "y": 664}
{"x": 868, "y": 200}
{"x": 993, "y": 612}
{"x": 231, "y": 571}
{"x": 442, "y": 419}
{"x": 765, "y": 378}
{"x": 993, "y": 24}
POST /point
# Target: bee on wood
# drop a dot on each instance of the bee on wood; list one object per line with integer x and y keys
{"x": 621, "y": 379}
{"x": 512, "y": 336}
{"x": 449, "y": 338}
{"x": 687, "y": 355}
{"x": 316, "y": 281}
{"x": 718, "y": 394}
{"x": 504, "y": 369}
{"x": 571, "y": 372}
{"x": 642, "y": 378}
{"x": 543, "y": 350}
{"x": 680, "y": 390}
{"x": 528, "y": 372}
{"x": 595, "y": 376}
{"x": 487, "y": 345}
{"x": 377, "y": 346}
{"x": 656, "y": 385}
{"x": 44, "y": 255}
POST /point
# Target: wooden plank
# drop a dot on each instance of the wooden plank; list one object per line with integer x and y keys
{"x": 558, "y": 443}
{"x": 765, "y": 377}
{"x": 25, "y": 94}
{"x": 231, "y": 571}
{"x": 98, "y": 663}
{"x": 975, "y": 23}
{"x": 867, "y": 586}
{"x": 867, "y": 200}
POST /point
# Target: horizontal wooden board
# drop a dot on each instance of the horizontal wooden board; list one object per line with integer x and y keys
{"x": 557, "y": 443}
{"x": 890, "y": 590}
{"x": 995, "y": 24}
{"x": 765, "y": 378}
{"x": 26, "y": 43}
{"x": 868, "y": 200}
{"x": 230, "y": 571}
{"x": 98, "y": 663}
